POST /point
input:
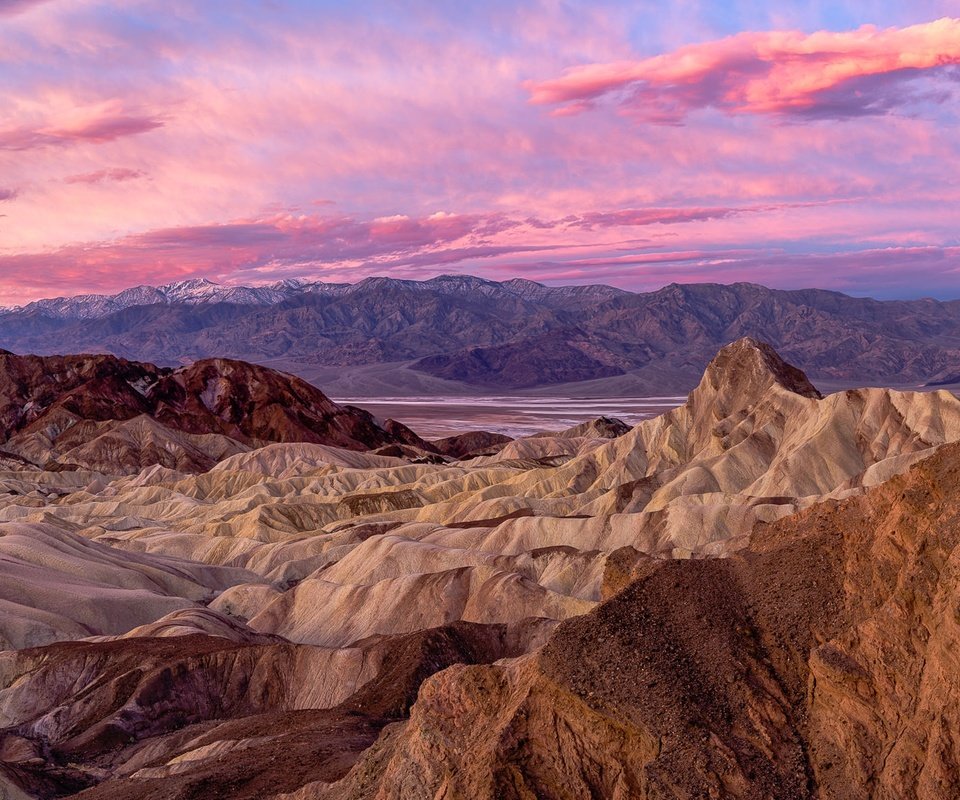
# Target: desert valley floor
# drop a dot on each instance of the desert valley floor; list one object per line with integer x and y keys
{"x": 216, "y": 582}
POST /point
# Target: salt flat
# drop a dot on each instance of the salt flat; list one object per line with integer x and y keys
{"x": 513, "y": 415}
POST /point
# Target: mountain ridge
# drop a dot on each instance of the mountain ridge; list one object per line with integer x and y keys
{"x": 201, "y": 290}
{"x": 460, "y": 332}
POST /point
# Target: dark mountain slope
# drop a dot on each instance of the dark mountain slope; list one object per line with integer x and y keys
{"x": 516, "y": 334}
{"x": 671, "y": 334}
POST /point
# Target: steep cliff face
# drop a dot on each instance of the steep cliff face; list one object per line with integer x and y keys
{"x": 820, "y": 662}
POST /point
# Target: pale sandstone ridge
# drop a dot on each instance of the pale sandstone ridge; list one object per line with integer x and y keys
{"x": 332, "y": 582}
{"x": 56, "y": 585}
{"x": 387, "y": 546}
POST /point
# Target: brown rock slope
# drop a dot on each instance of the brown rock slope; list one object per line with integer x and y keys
{"x": 472, "y": 443}
{"x": 821, "y": 662}
{"x": 236, "y": 714}
{"x": 102, "y": 412}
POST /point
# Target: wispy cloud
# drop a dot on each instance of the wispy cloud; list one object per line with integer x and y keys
{"x": 10, "y": 7}
{"x": 98, "y": 124}
{"x": 639, "y": 217}
{"x": 112, "y": 174}
{"x": 246, "y": 248}
{"x": 287, "y": 244}
{"x": 346, "y": 248}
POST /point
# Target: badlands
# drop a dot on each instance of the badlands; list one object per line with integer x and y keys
{"x": 216, "y": 583}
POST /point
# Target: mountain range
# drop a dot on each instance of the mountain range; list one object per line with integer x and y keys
{"x": 752, "y": 595}
{"x": 461, "y": 334}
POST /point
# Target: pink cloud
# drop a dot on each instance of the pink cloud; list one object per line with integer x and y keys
{"x": 114, "y": 174}
{"x": 776, "y": 72}
{"x": 250, "y": 250}
{"x": 289, "y": 245}
{"x": 346, "y": 248}
{"x": 107, "y": 128}
{"x": 635, "y": 217}
{"x": 667, "y": 215}
{"x": 104, "y": 123}
{"x": 7, "y": 194}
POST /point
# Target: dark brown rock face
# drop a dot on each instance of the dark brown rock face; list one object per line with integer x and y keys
{"x": 249, "y": 402}
{"x": 559, "y": 357}
{"x": 57, "y": 401}
{"x": 94, "y": 714}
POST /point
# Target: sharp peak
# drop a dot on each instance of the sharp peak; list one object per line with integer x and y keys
{"x": 747, "y": 367}
{"x": 190, "y": 282}
{"x": 450, "y": 276}
{"x": 524, "y": 281}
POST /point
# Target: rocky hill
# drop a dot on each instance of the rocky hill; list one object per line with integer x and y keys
{"x": 818, "y": 662}
{"x": 103, "y": 412}
{"x": 750, "y": 596}
{"x": 461, "y": 333}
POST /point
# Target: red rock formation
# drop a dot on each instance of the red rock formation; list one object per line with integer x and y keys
{"x": 49, "y": 406}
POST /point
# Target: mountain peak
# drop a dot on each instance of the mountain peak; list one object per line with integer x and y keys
{"x": 745, "y": 369}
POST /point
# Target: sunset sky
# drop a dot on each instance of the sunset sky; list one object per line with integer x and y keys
{"x": 791, "y": 144}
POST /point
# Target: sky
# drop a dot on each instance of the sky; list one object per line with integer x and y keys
{"x": 792, "y": 144}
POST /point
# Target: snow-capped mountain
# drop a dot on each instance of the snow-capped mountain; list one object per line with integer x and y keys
{"x": 199, "y": 291}
{"x": 190, "y": 292}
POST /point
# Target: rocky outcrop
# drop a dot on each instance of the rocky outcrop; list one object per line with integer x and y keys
{"x": 470, "y": 444}
{"x": 100, "y": 411}
{"x": 239, "y": 716}
{"x": 599, "y": 428}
